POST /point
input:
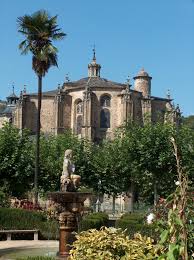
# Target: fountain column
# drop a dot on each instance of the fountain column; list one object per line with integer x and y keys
{"x": 69, "y": 203}
{"x": 68, "y": 224}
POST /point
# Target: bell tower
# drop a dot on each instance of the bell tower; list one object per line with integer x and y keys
{"x": 143, "y": 83}
{"x": 93, "y": 67}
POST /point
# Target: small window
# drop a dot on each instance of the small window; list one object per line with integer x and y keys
{"x": 105, "y": 118}
{"x": 105, "y": 101}
{"x": 79, "y": 108}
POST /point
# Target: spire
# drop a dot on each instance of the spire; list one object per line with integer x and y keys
{"x": 24, "y": 90}
{"x": 168, "y": 94}
{"x": 94, "y": 53}
{"x": 93, "y": 67}
{"x": 128, "y": 82}
{"x": 13, "y": 92}
{"x": 67, "y": 77}
{"x": 12, "y": 98}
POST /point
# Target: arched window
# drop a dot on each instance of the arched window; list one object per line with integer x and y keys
{"x": 79, "y": 107}
{"x": 79, "y": 125}
{"x": 105, "y": 118}
{"x": 105, "y": 101}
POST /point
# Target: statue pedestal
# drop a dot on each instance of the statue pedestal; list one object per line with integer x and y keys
{"x": 69, "y": 205}
{"x": 65, "y": 239}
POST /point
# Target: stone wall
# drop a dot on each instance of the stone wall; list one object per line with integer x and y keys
{"x": 158, "y": 110}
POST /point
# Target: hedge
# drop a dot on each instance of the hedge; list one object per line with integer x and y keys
{"x": 25, "y": 219}
{"x": 49, "y": 229}
{"x": 94, "y": 220}
{"x": 134, "y": 223}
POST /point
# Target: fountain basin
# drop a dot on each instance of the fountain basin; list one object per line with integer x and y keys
{"x": 68, "y": 197}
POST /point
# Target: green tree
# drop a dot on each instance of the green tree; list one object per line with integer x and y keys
{"x": 51, "y": 158}
{"x": 16, "y": 161}
{"x": 150, "y": 152}
{"x": 188, "y": 121}
{"x": 39, "y": 30}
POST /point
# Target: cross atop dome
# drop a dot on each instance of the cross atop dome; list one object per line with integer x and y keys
{"x": 94, "y": 53}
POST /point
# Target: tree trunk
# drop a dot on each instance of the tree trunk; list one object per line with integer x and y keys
{"x": 37, "y": 161}
{"x": 155, "y": 193}
{"x": 131, "y": 203}
{"x": 113, "y": 204}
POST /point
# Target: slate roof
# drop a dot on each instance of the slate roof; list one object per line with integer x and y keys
{"x": 7, "y": 111}
{"x": 46, "y": 93}
{"x": 93, "y": 82}
{"x": 13, "y": 95}
{"x": 159, "y": 98}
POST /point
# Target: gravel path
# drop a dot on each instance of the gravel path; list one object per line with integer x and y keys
{"x": 14, "y": 244}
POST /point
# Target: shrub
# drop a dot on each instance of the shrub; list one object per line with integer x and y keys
{"x": 37, "y": 258}
{"x": 112, "y": 244}
{"x": 24, "y": 219}
{"x": 135, "y": 223}
{"x": 4, "y": 199}
{"x": 95, "y": 220}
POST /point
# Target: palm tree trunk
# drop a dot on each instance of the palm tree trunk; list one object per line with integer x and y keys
{"x": 37, "y": 161}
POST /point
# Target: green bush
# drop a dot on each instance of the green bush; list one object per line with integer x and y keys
{"x": 24, "y": 219}
{"x": 134, "y": 223}
{"x": 37, "y": 258}
{"x": 4, "y": 199}
{"x": 95, "y": 220}
{"x": 113, "y": 244}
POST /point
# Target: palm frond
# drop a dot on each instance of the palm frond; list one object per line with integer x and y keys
{"x": 39, "y": 30}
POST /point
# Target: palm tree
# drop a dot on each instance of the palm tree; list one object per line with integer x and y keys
{"x": 39, "y": 29}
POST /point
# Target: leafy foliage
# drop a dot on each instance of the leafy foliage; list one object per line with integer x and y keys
{"x": 139, "y": 155}
{"x": 94, "y": 220}
{"x": 36, "y": 258}
{"x": 112, "y": 244}
{"x": 177, "y": 227}
{"x": 16, "y": 161}
{"x": 135, "y": 223}
{"x": 39, "y": 29}
{"x": 188, "y": 121}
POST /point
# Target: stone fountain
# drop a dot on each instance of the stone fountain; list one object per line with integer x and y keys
{"x": 69, "y": 204}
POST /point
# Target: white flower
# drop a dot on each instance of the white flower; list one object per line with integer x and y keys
{"x": 150, "y": 218}
{"x": 177, "y": 183}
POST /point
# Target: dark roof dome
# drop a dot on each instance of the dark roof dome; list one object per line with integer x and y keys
{"x": 142, "y": 73}
{"x": 13, "y": 95}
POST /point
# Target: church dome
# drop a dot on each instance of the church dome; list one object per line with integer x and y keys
{"x": 142, "y": 73}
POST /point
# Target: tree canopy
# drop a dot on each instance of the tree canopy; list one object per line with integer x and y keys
{"x": 139, "y": 155}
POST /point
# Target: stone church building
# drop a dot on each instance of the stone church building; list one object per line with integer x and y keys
{"x": 93, "y": 107}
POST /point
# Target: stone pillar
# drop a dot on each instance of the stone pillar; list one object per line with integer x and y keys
{"x": 87, "y": 107}
{"x": 19, "y": 114}
{"x": 59, "y": 104}
{"x": 146, "y": 109}
{"x": 127, "y": 104}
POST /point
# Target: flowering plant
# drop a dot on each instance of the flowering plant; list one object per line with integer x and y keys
{"x": 176, "y": 224}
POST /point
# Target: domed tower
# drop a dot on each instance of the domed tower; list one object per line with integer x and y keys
{"x": 93, "y": 67}
{"x": 12, "y": 99}
{"x": 143, "y": 83}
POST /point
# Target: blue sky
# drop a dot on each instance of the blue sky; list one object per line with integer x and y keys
{"x": 129, "y": 34}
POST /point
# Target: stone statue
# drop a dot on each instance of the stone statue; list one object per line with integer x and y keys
{"x": 69, "y": 181}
